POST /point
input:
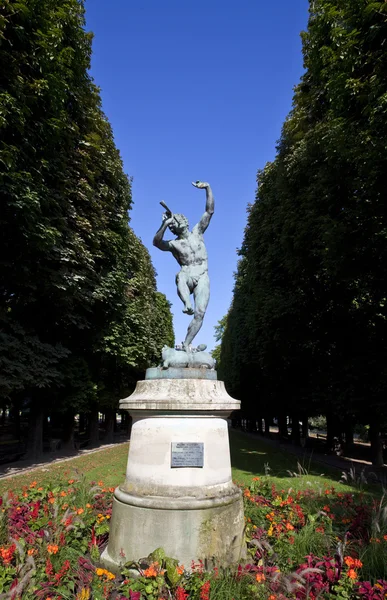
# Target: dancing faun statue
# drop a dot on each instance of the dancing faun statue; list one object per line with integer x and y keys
{"x": 190, "y": 252}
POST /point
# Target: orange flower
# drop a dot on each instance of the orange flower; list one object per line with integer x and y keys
{"x": 52, "y": 548}
{"x": 272, "y": 597}
{"x": 352, "y": 574}
{"x": 80, "y": 511}
{"x": 260, "y": 577}
{"x": 31, "y": 551}
{"x": 33, "y": 484}
{"x": 51, "y": 500}
{"x": 88, "y": 505}
{"x": 63, "y": 494}
{"x": 289, "y": 527}
{"x": 180, "y": 570}
{"x": 111, "y": 489}
{"x": 100, "y": 483}
{"x": 7, "y": 553}
{"x": 353, "y": 562}
{"x": 151, "y": 572}
{"x": 71, "y": 481}
{"x": 40, "y": 489}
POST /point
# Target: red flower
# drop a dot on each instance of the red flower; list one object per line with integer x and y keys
{"x": 181, "y": 594}
{"x": 63, "y": 571}
{"x": 49, "y": 568}
{"x": 205, "y": 591}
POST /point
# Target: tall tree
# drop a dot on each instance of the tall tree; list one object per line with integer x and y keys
{"x": 312, "y": 278}
{"x": 68, "y": 258}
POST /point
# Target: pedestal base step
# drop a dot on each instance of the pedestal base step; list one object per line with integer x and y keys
{"x": 212, "y": 534}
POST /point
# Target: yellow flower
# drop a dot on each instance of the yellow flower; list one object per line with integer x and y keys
{"x": 83, "y": 594}
{"x": 105, "y": 572}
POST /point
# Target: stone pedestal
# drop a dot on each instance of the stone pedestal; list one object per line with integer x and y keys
{"x": 178, "y": 492}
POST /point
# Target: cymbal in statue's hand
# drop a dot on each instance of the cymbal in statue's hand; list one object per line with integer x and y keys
{"x": 200, "y": 184}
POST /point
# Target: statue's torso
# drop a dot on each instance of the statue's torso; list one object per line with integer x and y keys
{"x": 190, "y": 251}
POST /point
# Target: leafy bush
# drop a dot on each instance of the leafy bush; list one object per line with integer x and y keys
{"x": 303, "y": 544}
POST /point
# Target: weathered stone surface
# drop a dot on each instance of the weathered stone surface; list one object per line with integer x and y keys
{"x": 193, "y": 512}
{"x": 213, "y": 533}
{"x": 180, "y": 395}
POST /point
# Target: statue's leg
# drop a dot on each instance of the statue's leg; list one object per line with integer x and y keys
{"x": 184, "y": 293}
{"x": 202, "y": 296}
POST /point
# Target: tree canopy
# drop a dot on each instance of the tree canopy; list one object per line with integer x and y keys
{"x": 306, "y": 331}
{"x": 79, "y": 309}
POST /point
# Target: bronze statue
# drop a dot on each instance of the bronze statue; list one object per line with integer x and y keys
{"x": 190, "y": 252}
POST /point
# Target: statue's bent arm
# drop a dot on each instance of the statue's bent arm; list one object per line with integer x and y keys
{"x": 158, "y": 241}
{"x": 210, "y": 207}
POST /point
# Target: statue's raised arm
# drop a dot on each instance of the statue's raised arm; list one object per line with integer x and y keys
{"x": 210, "y": 205}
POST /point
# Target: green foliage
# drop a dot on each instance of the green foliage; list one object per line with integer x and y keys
{"x": 307, "y": 325}
{"x": 77, "y": 287}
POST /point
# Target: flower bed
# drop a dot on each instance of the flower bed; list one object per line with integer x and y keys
{"x": 306, "y": 544}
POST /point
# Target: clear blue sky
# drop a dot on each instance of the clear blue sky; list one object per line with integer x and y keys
{"x": 196, "y": 89}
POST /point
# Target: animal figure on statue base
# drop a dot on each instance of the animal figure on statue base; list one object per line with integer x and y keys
{"x": 195, "y": 358}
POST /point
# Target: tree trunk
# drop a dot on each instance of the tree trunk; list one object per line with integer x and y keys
{"x": 68, "y": 431}
{"x": 126, "y": 423}
{"x": 331, "y": 431}
{"x": 3, "y": 415}
{"x": 376, "y": 445}
{"x": 348, "y": 432}
{"x": 82, "y": 423}
{"x": 14, "y": 417}
{"x": 109, "y": 426}
{"x": 283, "y": 426}
{"x": 35, "y": 433}
{"x": 305, "y": 427}
{"x": 267, "y": 426}
{"x": 295, "y": 430}
{"x": 259, "y": 425}
{"x": 93, "y": 428}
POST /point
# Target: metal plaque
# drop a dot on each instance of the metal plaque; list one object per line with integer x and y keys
{"x": 187, "y": 454}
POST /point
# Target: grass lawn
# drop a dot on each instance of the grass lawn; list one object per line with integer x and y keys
{"x": 249, "y": 455}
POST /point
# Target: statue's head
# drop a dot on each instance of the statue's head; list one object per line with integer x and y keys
{"x": 179, "y": 224}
